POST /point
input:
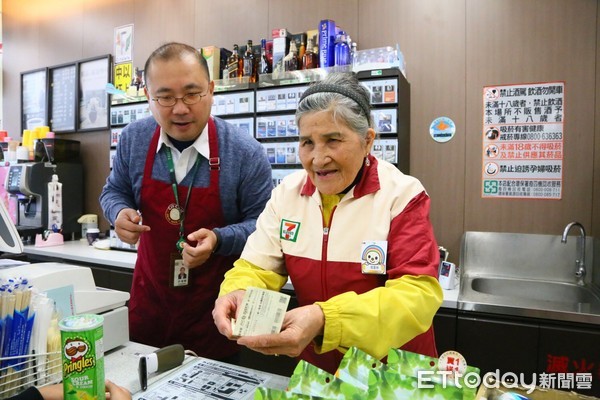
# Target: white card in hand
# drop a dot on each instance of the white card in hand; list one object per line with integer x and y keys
{"x": 261, "y": 313}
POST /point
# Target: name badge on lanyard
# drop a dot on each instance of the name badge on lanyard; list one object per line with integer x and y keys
{"x": 180, "y": 274}
{"x": 373, "y": 257}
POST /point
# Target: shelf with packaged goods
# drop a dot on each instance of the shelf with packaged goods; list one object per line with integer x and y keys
{"x": 124, "y": 109}
{"x": 277, "y": 100}
{"x": 118, "y": 99}
{"x": 234, "y": 101}
{"x": 265, "y": 110}
{"x": 122, "y": 114}
{"x": 304, "y": 76}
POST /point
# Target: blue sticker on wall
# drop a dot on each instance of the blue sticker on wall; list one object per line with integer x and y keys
{"x": 442, "y": 129}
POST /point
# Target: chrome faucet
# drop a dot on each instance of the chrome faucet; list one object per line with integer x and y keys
{"x": 580, "y": 261}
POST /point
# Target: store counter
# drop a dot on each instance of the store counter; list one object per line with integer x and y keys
{"x": 80, "y": 252}
{"x": 195, "y": 377}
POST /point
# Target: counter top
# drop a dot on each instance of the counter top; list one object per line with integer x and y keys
{"x": 79, "y": 250}
{"x": 178, "y": 382}
{"x": 450, "y": 298}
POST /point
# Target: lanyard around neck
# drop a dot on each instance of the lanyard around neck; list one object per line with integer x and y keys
{"x": 171, "y": 166}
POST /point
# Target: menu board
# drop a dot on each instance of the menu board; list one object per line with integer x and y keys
{"x": 34, "y": 103}
{"x": 63, "y": 92}
{"x": 94, "y": 107}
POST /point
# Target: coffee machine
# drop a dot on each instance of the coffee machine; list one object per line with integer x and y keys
{"x": 28, "y": 183}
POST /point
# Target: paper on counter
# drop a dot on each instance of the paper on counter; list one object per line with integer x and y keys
{"x": 261, "y": 313}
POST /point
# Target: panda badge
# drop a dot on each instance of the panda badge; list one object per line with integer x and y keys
{"x": 373, "y": 257}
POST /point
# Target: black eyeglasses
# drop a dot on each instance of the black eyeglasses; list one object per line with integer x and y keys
{"x": 170, "y": 101}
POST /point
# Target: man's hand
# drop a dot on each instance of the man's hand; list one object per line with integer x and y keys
{"x": 194, "y": 256}
{"x": 127, "y": 226}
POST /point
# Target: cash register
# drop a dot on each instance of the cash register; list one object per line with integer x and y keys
{"x": 88, "y": 299}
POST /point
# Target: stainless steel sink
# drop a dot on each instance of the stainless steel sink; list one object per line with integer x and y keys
{"x": 530, "y": 298}
{"x": 535, "y": 290}
{"x": 526, "y": 275}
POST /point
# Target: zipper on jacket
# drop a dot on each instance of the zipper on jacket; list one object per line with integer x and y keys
{"x": 326, "y": 229}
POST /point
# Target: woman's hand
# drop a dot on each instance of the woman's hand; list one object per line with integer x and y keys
{"x": 116, "y": 392}
{"x": 52, "y": 392}
{"x": 300, "y": 326}
{"x": 113, "y": 392}
{"x": 225, "y": 309}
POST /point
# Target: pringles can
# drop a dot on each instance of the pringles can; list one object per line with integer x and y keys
{"x": 82, "y": 356}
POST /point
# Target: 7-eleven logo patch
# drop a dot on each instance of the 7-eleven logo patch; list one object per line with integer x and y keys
{"x": 289, "y": 230}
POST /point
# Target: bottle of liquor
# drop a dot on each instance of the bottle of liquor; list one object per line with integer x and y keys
{"x": 265, "y": 64}
{"x": 341, "y": 50}
{"x": 232, "y": 63}
{"x": 240, "y": 63}
{"x": 290, "y": 61}
{"x": 310, "y": 59}
{"x": 301, "y": 47}
{"x": 249, "y": 62}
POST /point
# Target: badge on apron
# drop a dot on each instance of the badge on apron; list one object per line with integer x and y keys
{"x": 180, "y": 274}
{"x": 173, "y": 214}
{"x": 373, "y": 257}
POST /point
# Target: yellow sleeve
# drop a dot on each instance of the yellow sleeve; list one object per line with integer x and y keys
{"x": 245, "y": 274}
{"x": 381, "y": 318}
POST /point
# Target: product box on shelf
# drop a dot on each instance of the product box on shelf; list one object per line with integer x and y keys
{"x": 314, "y": 35}
{"x": 281, "y": 45}
{"x": 224, "y": 55}
{"x": 212, "y": 55}
{"x": 327, "y": 33}
{"x": 300, "y": 39}
{"x": 269, "y": 51}
{"x": 379, "y": 58}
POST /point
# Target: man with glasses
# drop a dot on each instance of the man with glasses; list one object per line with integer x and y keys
{"x": 189, "y": 187}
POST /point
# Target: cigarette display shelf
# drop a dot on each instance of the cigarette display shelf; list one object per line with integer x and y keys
{"x": 276, "y": 99}
{"x": 123, "y": 110}
{"x": 265, "y": 111}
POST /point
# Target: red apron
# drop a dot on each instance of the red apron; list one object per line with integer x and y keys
{"x": 160, "y": 315}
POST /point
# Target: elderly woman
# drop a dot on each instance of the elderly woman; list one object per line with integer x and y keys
{"x": 353, "y": 234}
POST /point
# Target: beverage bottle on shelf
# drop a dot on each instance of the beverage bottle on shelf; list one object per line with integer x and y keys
{"x": 232, "y": 63}
{"x": 240, "y": 63}
{"x": 341, "y": 50}
{"x": 310, "y": 59}
{"x": 265, "y": 64}
{"x": 249, "y": 63}
{"x": 301, "y": 49}
{"x": 290, "y": 61}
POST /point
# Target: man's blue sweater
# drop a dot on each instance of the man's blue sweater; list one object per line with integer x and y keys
{"x": 245, "y": 180}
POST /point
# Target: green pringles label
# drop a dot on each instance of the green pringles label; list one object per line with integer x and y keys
{"x": 82, "y": 357}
